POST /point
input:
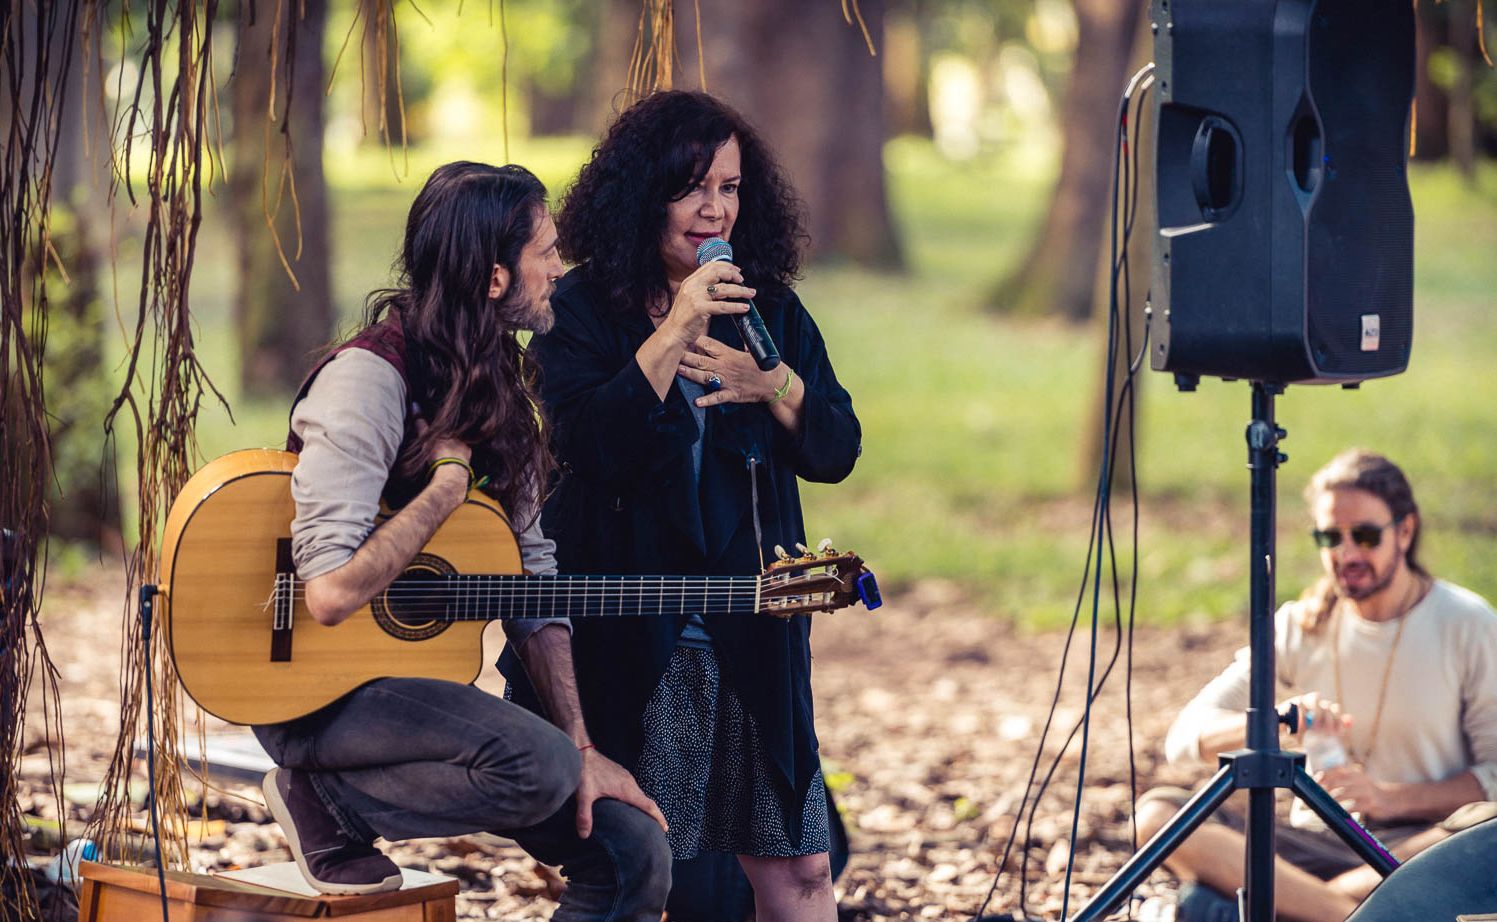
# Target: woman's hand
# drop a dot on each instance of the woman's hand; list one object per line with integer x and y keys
{"x": 738, "y": 377}
{"x": 702, "y": 295}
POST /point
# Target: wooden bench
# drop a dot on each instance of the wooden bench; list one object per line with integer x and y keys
{"x": 112, "y": 893}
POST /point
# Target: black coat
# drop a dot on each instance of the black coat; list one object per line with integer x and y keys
{"x": 626, "y": 502}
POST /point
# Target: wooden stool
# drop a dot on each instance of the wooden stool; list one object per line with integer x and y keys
{"x": 131, "y": 894}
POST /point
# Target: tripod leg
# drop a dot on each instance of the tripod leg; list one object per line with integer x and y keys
{"x": 1157, "y": 849}
{"x": 1358, "y": 839}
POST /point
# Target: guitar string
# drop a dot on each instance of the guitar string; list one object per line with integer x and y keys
{"x": 595, "y": 590}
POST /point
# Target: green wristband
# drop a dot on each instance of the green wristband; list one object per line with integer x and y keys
{"x": 465, "y": 465}
{"x": 784, "y": 389}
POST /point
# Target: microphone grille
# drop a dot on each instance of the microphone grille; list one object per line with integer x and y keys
{"x": 714, "y": 249}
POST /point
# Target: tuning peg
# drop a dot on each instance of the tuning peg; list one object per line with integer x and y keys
{"x": 825, "y": 548}
{"x": 805, "y": 551}
{"x": 780, "y": 552}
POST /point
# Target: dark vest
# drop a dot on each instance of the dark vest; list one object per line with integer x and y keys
{"x": 385, "y": 339}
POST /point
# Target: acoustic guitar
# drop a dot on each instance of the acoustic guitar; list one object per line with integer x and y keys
{"x": 248, "y": 651}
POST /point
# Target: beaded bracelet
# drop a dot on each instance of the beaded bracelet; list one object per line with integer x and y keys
{"x": 441, "y": 461}
{"x": 784, "y": 389}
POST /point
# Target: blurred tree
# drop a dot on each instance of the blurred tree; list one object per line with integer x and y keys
{"x": 907, "y": 67}
{"x": 1456, "y": 69}
{"x": 277, "y": 181}
{"x": 382, "y": 111}
{"x": 1057, "y": 276}
{"x": 1431, "y": 105}
{"x": 804, "y": 76}
{"x": 85, "y": 503}
{"x": 616, "y": 24}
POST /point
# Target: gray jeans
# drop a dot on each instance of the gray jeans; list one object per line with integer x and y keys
{"x": 415, "y": 758}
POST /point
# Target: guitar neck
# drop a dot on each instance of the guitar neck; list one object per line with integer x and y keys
{"x": 476, "y": 597}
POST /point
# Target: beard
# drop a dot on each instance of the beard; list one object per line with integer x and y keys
{"x": 521, "y": 309}
{"x": 1364, "y": 589}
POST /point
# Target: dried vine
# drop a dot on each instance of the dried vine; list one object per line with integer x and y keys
{"x": 36, "y": 48}
{"x": 652, "y": 63}
{"x": 164, "y": 383}
{"x": 654, "y": 54}
{"x": 381, "y": 36}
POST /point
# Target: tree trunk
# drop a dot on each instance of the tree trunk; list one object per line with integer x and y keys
{"x": 804, "y": 77}
{"x": 1133, "y": 292}
{"x": 1462, "y": 125}
{"x": 907, "y": 70}
{"x": 281, "y": 324}
{"x": 1056, "y": 276}
{"x": 383, "y": 124}
{"x": 85, "y": 487}
{"x": 617, "y": 24}
{"x": 1431, "y": 106}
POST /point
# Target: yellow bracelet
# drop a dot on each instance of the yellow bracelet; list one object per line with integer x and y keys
{"x": 441, "y": 461}
{"x": 784, "y": 388}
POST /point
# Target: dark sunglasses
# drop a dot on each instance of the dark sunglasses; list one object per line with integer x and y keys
{"x": 1368, "y": 536}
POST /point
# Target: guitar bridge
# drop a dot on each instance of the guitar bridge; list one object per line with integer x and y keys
{"x": 283, "y": 603}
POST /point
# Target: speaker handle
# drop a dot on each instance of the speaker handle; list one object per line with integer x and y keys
{"x": 1216, "y": 168}
{"x": 1307, "y": 156}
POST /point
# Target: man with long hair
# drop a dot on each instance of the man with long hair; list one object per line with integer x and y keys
{"x": 1397, "y": 670}
{"x": 434, "y": 398}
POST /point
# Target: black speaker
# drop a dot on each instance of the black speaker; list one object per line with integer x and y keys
{"x": 1285, "y": 249}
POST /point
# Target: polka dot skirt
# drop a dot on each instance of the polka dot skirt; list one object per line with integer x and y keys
{"x": 705, "y": 765}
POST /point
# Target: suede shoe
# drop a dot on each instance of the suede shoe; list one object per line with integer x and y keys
{"x": 328, "y": 858}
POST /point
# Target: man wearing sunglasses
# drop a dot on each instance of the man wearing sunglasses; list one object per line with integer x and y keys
{"x": 1401, "y": 668}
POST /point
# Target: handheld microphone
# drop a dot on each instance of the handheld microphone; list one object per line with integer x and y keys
{"x": 750, "y": 325}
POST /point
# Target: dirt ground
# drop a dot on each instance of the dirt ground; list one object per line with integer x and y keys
{"x": 929, "y": 712}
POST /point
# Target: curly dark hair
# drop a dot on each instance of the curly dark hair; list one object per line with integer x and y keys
{"x": 475, "y": 380}
{"x": 612, "y": 220}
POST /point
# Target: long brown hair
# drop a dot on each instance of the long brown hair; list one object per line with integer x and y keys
{"x": 1359, "y": 469}
{"x": 470, "y": 375}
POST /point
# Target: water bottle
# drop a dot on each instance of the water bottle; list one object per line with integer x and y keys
{"x": 65, "y": 868}
{"x": 1323, "y": 747}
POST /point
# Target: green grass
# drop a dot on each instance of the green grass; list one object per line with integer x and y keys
{"x": 973, "y": 421}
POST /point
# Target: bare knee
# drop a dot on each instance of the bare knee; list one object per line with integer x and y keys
{"x": 811, "y": 875}
{"x": 1151, "y": 816}
{"x": 804, "y": 877}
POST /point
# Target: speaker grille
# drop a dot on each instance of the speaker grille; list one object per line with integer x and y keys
{"x": 1359, "y": 232}
{"x": 1285, "y": 284}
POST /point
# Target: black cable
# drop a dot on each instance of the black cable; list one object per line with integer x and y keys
{"x": 1117, "y": 325}
{"x": 1115, "y": 402}
{"x": 1130, "y": 212}
{"x": 147, "y": 614}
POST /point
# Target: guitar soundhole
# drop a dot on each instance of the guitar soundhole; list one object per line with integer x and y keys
{"x": 413, "y": 606}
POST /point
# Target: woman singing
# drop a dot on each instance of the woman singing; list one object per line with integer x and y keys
{"x": 680, "y": 456}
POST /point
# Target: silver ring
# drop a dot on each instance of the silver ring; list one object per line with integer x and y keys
{"x": 714, "y": 382}
{"x": 711, "y": 291}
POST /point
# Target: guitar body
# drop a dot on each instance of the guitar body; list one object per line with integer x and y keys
{"x": 228, "y": 535}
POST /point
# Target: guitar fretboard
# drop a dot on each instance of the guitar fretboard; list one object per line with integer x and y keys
{"x": 474, "y": 597}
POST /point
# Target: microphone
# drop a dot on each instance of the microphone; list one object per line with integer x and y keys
{"x": 750, "y": 325}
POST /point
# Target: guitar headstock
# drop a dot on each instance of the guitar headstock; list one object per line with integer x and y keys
{"x": 817, "y": 581}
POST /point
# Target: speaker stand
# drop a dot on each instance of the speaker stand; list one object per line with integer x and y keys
{"x": 1260, "y": 768}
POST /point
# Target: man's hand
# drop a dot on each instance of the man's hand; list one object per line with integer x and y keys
{"x": 603, "y": 777}
{"x": 1358, "y": 792}
{"x": 1316, "y": 710}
